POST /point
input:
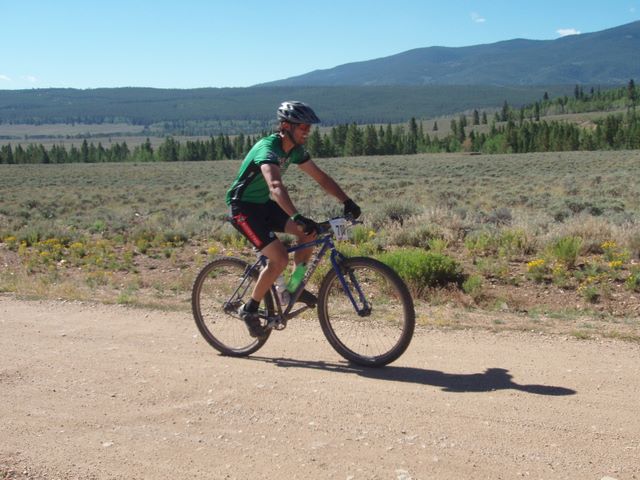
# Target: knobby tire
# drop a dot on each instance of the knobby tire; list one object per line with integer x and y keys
{"x": 225, "y": 331}
{"x": 379, "y": 337}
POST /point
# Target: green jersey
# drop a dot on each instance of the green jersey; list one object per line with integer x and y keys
{"x": 250, "y": 185}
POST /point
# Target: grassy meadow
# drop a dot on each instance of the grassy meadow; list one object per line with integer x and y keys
{"x": 538, "y": 236}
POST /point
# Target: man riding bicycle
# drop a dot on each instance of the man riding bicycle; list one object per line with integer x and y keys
{"x": 260, "y": 203}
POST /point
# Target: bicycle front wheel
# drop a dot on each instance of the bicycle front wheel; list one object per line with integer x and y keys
{"x": 220, "y": 289}
{"x": 369, "y": 319}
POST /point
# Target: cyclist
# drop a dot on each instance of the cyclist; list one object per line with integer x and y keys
{"x": 260, "y": 203}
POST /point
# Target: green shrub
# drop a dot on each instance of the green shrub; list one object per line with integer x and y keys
{"x": 11, "y": 242}
{"x": 361, "y": 234}
{"x": 472, "y": 286}
{"x": 634, "y": 245}
{"x": 394, "y": 212}
{"x": 590, "y": 292}
{"x": 480, "y": 243}
{"x": 566, "y": 250}
{"x": 537, "y": 270}
{"x": 422, "y": 270}
{"x": 175, "y": 238}
{"x": 560, "y": 275}
{"x": 438, "y": 245}
{"x": 98, "y": 226}
{"x": 412, "y": 236}
{"x": 633, "y": 281}
{"x": 514, "y": 242}
{"x": 492, "y": 267}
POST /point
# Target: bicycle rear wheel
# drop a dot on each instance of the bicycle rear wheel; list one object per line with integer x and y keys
{"x": 381, "y": 329}
{"x": 218, "y": 291}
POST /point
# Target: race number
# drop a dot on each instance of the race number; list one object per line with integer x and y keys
{"x": 339, "y": 227}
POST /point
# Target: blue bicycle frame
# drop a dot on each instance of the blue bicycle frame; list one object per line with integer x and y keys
{"x": 325, "y": 241}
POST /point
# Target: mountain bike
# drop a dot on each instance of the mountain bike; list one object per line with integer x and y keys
{"x": 365, "y": 309}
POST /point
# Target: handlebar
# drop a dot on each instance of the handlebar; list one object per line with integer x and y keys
{"x": 326, "y": 227}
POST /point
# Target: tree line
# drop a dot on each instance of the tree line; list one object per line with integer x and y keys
{"x": 170, "y": 150}
{"x": 511, "y": 131}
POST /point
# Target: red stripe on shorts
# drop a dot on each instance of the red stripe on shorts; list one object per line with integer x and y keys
{"x": 241, "y": 222}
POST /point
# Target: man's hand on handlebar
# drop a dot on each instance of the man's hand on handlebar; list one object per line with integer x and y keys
{"x": 351, "y": 209}
{"x": 308, "y": 226}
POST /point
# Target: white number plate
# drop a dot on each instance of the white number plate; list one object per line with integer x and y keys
{"x": 339, "y": 226}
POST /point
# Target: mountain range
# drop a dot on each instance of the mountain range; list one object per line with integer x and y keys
{"x": 420, "y": 83}
{"x": 607, "y": 57}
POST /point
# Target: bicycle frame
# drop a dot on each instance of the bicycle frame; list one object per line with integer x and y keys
{"x": 286, "y": 312}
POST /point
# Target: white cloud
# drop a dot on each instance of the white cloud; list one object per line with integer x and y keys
{"x": 31, "y": 79}
{"x": 4, "y": 78}
{"x": 563, "y": 32}
{"x": 476, "y": 17}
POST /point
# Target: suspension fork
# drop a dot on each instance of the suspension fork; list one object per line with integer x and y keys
{"x": 337, "y": 260}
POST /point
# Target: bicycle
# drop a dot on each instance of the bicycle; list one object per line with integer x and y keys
{"x": 365, "y": 309}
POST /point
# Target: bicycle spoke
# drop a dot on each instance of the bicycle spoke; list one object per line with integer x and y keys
{"x": 220, "y": 289}
{"x": 381, "y": 327}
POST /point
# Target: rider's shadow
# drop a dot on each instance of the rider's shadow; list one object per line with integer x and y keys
{"x": 488, "y": 381}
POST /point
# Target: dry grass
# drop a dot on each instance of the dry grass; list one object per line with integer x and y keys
{"x": 159, "y": 223}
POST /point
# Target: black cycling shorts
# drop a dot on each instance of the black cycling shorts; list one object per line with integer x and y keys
{"x": 258, "y": 221}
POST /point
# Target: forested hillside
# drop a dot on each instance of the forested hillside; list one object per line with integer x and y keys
{"x": 249, "y": 110}
{"x": 511, "y": 130}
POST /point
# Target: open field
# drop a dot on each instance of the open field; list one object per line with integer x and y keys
{"x": 134, "y": 135}
{"x": 137, "y": 233}
{"x": 74, "y": 134}
{"x": 67, "y": 130}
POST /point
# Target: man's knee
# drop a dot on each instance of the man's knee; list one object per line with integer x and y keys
{"x": 277, "y": 255}
{"x": 279, "y": 262}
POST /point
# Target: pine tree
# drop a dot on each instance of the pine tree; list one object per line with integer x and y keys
{"x": 411, "y": 146}
{"x": 210, "y": 149}
{"x": 370, "y": 140}
{"x": 314, "y": 144}
{"x": 504, "y": 115}
{"x": 454, "y": 127}
{"x": 632, "y": 95}
{"x": 339, "y": 137}
{"x": 84, "y": 151}
{"x": 6, "y": 155}
{"x": 168, "y": 150}
{"x": 353, "y": 145}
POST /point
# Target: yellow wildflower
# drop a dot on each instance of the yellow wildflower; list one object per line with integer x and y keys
{"x": 535, "y": 264}
{"x": 609, "y": 245}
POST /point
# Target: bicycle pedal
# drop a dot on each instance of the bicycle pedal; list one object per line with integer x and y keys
{"x": 308, "y": 298}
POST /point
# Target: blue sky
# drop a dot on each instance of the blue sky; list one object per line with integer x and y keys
{"x": 193, "y": 43}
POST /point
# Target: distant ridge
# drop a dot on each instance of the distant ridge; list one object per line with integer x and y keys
{"x": 607, "y": 57}
{"x": 254, "y": 107}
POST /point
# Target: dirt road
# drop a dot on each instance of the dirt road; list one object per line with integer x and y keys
{"x": 106, "y": 392}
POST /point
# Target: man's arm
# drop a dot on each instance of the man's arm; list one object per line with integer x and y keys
{"x": 325, "y": 181}
{"x": 278, "y": 191}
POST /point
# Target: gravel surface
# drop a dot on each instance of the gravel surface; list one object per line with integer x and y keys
{"x": 108, "y": 392}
